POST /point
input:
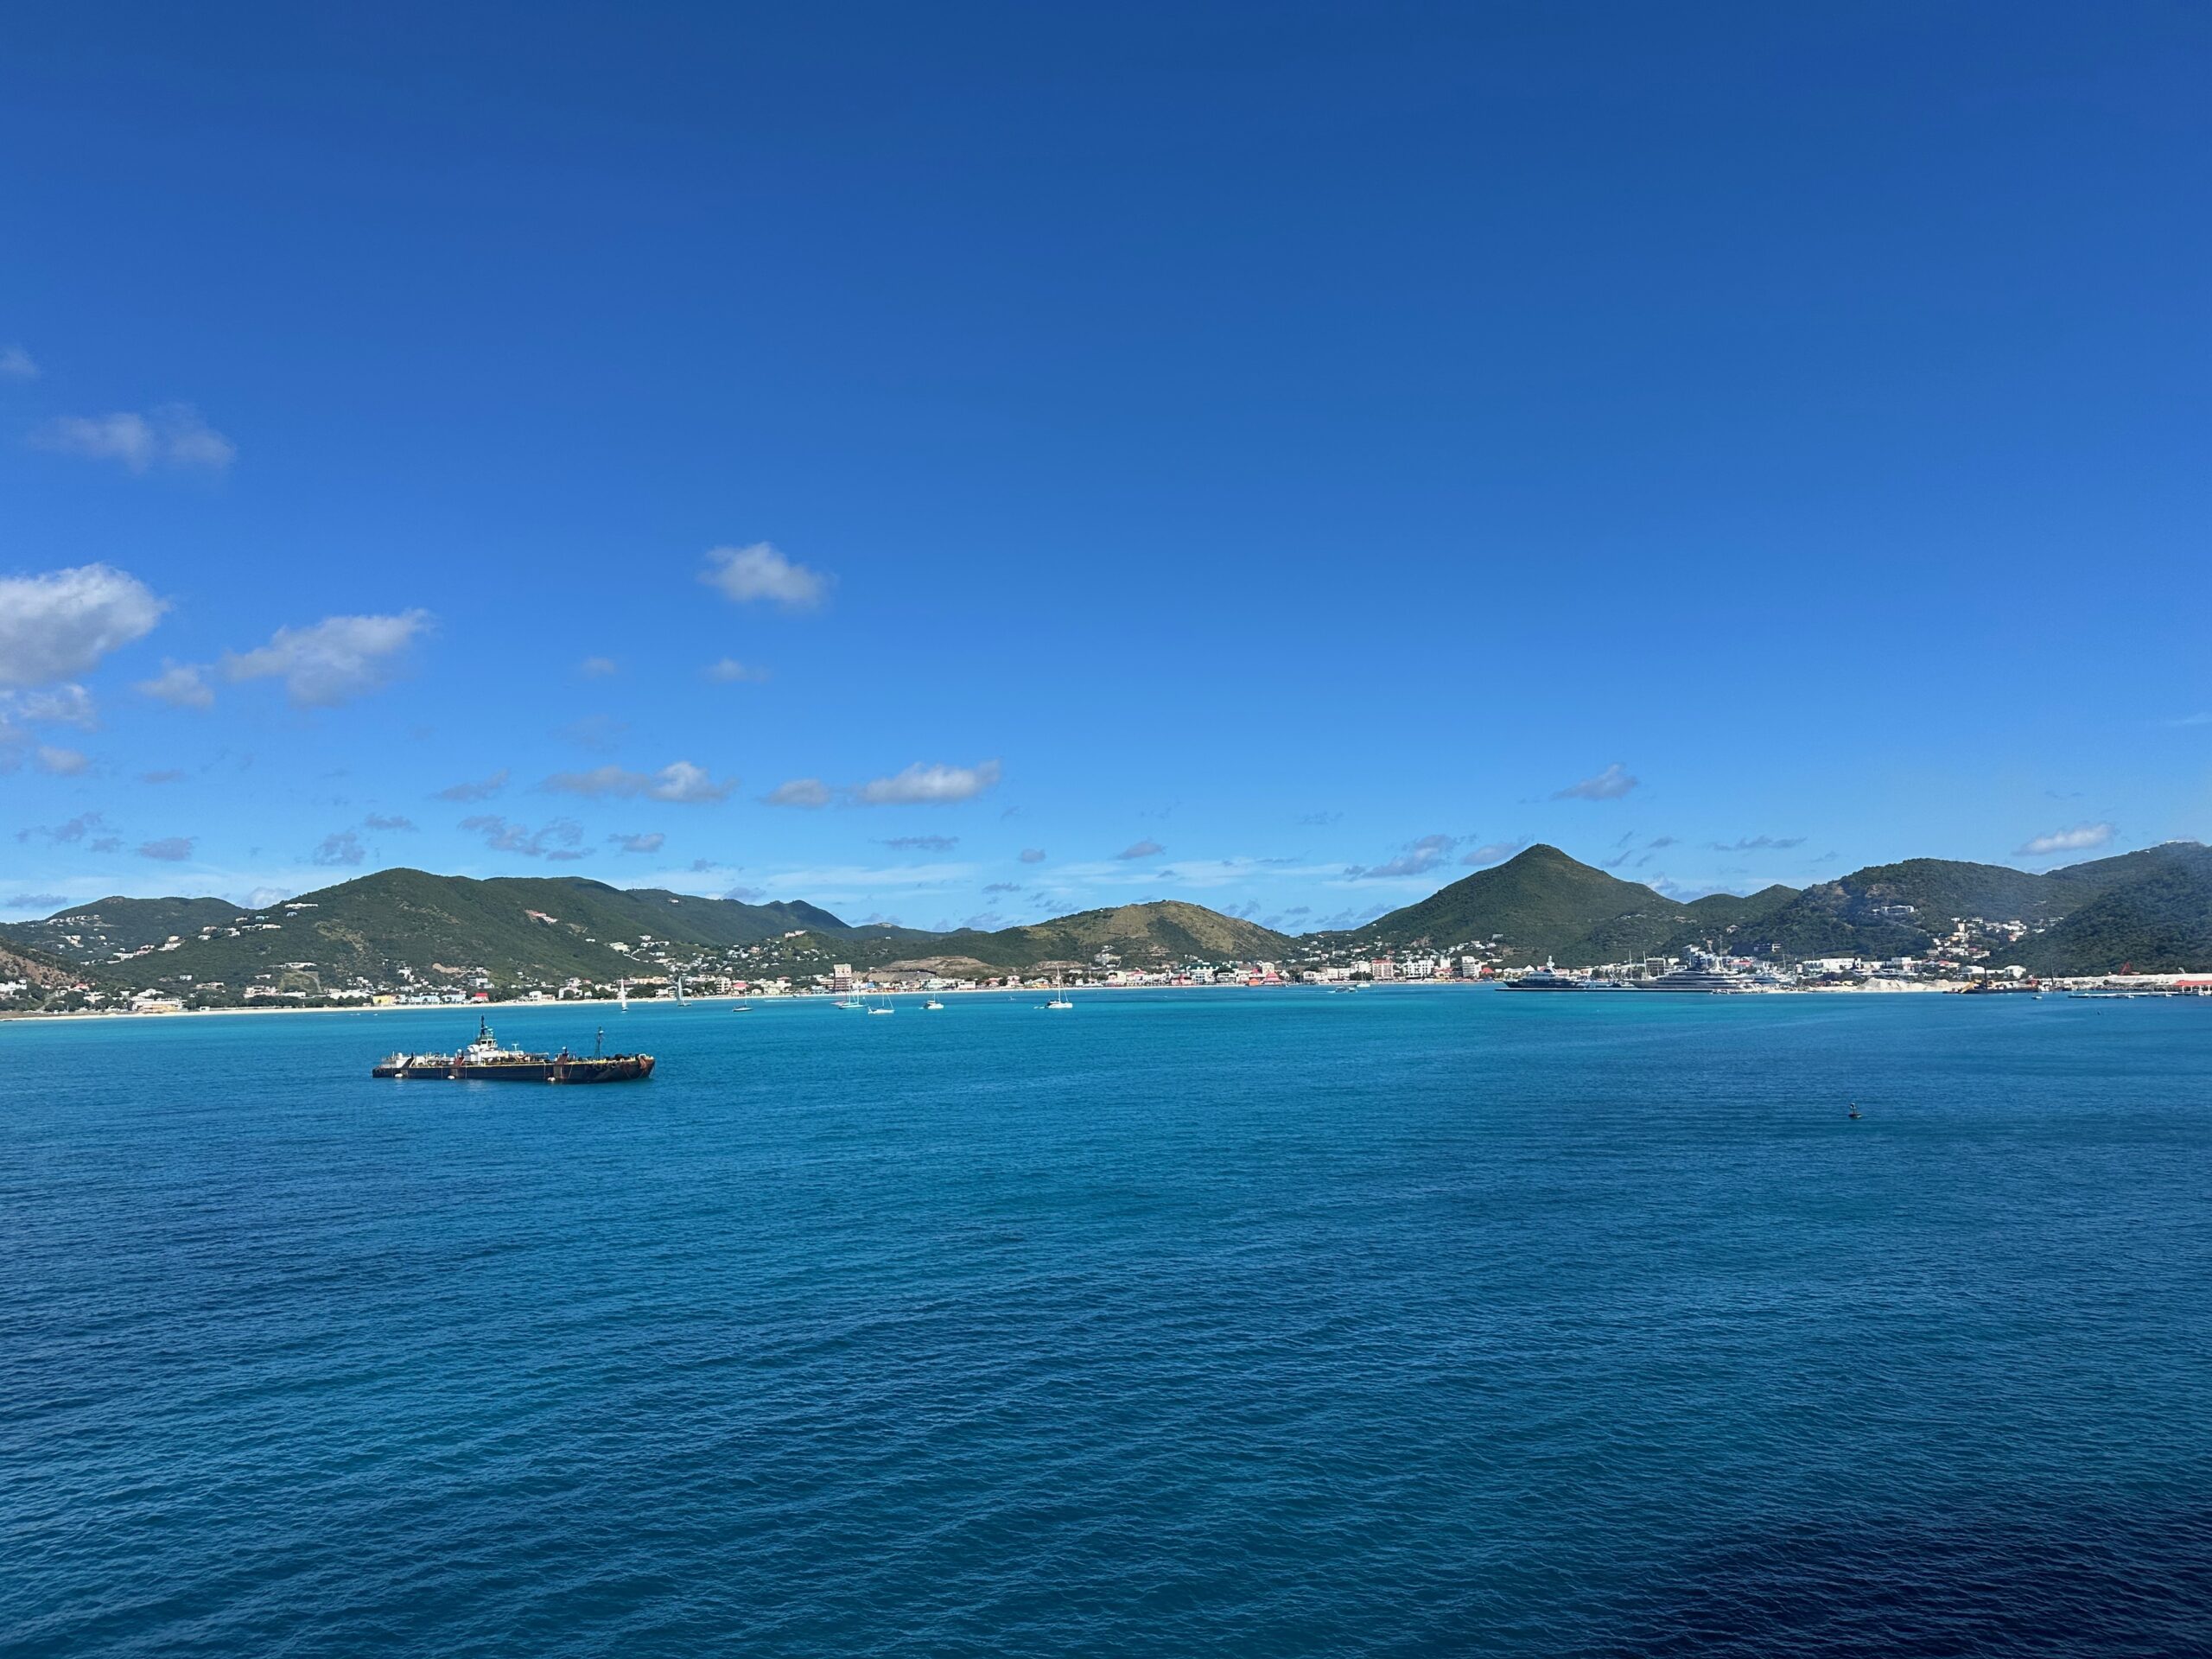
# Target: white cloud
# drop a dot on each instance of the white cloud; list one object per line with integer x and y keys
{"x": 598, "y": 668}
{"x": 379, "y": 821}
{"x": 1033, "y": 854}
{"x": 57, "y": 626}
{"x": 173, "y": 436}
{"x": 799, "y": 792}
{"x": 2080, "y": 839}
{"x": 481, "y": 788}
{"x": 746, "y": 573}
{"x": 730, "y": 671}
{"x": 650, "y": 842}
{"x": 928, "y": 785}
{"x": 60, "y": 705}
{"x": 679, "y": 781}
{"x": 181, "y": 685}
{"x": 1146, "y": 848}
{"x": 332, "y": 660}
{"x": 61, "y": 763}
{"x": 16, "y": 364}
{"x": 684, "y": 783}
{"x": 921, "y": 843}
{"x": 169, "y": 849}
{"x": 1608, "y": 786}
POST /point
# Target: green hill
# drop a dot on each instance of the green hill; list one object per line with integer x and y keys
{"x": 114, "y": 926}
{"x": 2151, "y": 908}
{"x": 1142, "y": 935}
{"x": 31, "y": 979}
{"x": 1538, "y": 904}
{"x": 447, "y": 931}
{"x": 2158, "y": 919}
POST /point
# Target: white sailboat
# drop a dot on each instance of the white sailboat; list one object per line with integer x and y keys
{"x": 622, "y": 995}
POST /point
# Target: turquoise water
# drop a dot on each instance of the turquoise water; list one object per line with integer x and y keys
{"x": 1428, "y": 1321}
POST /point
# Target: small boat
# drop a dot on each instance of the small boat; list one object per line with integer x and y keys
{"x": 1855, "y": 1110}
{"x": 883, "y": 1006}
{"x": 622, "y": 995}
{"x": 741, "y": 1008}
{"x": 1059, "y": 1000}
{"x": 849, "y": 1003}
{"x": 932, "y": 1006}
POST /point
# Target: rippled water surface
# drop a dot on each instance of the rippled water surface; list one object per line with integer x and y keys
{"x": 1210, "y": 1323}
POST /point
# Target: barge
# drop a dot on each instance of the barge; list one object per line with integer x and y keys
{"x": 485, "y": 1061}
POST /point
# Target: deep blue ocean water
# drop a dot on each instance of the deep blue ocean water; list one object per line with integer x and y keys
{"x": 1416, "y": 1322}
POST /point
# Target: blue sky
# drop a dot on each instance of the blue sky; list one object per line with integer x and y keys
{"x": 974, "y": 461}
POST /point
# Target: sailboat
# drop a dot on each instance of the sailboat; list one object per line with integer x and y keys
{"x": 679, "y": 992}
{"x": 883, "y": 1006}
{"x": 1059, "y": 999}
{"x": 622, "y": 995}
{"x": 932, "y": 1006}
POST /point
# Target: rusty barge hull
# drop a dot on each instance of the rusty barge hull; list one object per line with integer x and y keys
{"x": 612, "y": 1068}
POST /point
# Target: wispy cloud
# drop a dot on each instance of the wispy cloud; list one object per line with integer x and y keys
{"x": 2080, "y": 839}
{"x": 60, "y": 625}
{"x": 1494, "y": 852}
{"x": 1032, "y": 855}
{"x": 799, "y": 792}
{"x": 379, "y": 821}
{"x": 598, "y": 668}
{"x": 68, "y": 704}
{"x": 650, "y": 841}
{"x": 559, "y": 840}
{"x": 163, "y": 775}
{"x": 480, "y": 790}
{"x": 1146, "y": 848}
{"x": 58, "y": 762}
{"x": 679, "y": 782}
{"x": 1416, "y": 858}
{"x": 760, "y": 572}
{"x": 76, "y": 830}
{"x": 341, "y": 847}
{"x": 1002, "y": 886}
{"x": 168, "y": 849}
{"x": 16, "y": 363}
{"x": 1756, "y": 844}
{"x": 730, "y": 671}
{"x": 41, "y": 902}
{"x": 921, "y": 843}
{"x": 599, "y": 732}
{"x": 181, "y": 685}
{"x": 173, "y": 438}
{"x": 1608, "y": 786}
{"x": 332, "y": 661}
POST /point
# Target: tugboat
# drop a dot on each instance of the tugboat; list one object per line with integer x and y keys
{"x": 485, "y": 1061}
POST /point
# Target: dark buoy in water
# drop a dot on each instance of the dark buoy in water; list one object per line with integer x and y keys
{"x": 1854, "y": 1109}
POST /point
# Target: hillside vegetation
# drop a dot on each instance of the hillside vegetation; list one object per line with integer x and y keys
{"x": 2152, "y": 908}
{"x": 1142, "y": 935}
